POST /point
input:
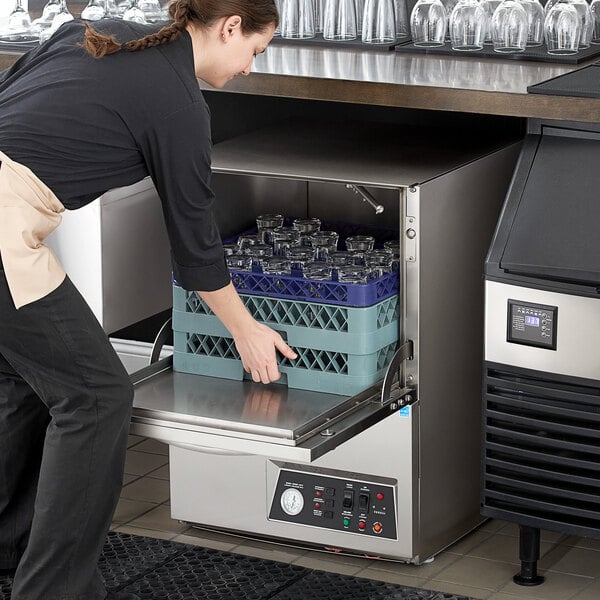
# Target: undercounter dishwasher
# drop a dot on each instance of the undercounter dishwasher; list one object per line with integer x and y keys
{"x": 390, "y": 470}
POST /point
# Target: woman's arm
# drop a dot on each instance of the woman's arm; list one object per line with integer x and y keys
{"x": 256, "y": 343}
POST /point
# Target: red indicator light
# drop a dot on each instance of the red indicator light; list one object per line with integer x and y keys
{"x": 361, "y": 524}
{"x": 318, "y": 493}
{"x": 317, "y": 505}
{"x": 377, "y": 527}
{"x": 380, "y": 496}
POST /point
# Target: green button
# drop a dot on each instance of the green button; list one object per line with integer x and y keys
{"x": 346, "y": 521}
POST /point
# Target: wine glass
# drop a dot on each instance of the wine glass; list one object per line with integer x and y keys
{"x": 587, "y": 22}
{"x": 428, "y": 23}
{"x": 467, "y": 25}
{"x": 509, "y": 27}
{"x": 562, "y": 28}
{"x": 535, "y": 22}
{"x": 94, "y": 10}
{"x": 50, "y": 10}
{"x": 595, "y": 9}
{"x": 489, "y": 7}
{"x": 134, "y": 13}
{"x": 62, "y": 16}
{"x": 152, "y": 10}
{"x": 18, "y": 29}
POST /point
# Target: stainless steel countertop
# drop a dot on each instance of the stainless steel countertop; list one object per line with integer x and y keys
{"x": 386, "y": 78}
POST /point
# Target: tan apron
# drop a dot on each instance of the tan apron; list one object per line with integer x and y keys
{"x": 29, "y": 212}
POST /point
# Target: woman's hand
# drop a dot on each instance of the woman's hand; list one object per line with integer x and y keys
{"x": 256, "y": 343}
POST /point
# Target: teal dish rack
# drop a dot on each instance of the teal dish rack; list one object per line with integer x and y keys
{"x": 341, "y": 349}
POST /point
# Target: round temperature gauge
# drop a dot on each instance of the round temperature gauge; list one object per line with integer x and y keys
{"x": 292, "y": 501}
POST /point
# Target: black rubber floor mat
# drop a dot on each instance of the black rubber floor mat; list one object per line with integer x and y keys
{"x": 127, "y": 557}
{"x": 584, "y": 83}
{"x": 319, "y": 585}
{"x": 214, "y": 575}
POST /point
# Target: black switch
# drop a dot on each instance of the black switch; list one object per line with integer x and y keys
{"x": 348, "y": 500}
{"x": 363, "y": 502}
{"x": 329, "y": 491}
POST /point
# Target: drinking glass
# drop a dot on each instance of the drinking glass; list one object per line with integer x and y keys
{"x": 562, "y": 29}
{"x": 62, "y": 16}
{"x": 229, "y": 249}
{"x": 266, "y": 224}
{"x": 306, "y": 227}
{"x": 123, "y": 6}
{"x": 587, "y": 22}
{"x": 401, "y": 19}
{"x": 378, "y": 22}
{"x": 324, "y": 243}
{"x": 276, "y": 265}
{"x": 297, "y": 19}
{"x": 246, "y": 241}
{"x": 449, "y": 6}
{"x": 318, "y": 11}
{"x": 152, "y": 10}
{"x": 18, "y": 29}
{"x": 352, "y": 274}
{"x": 94, "y": 10}
{"x": 489, "y": 7}
{"x": 318, "y": 270}
{"x": 284, "y": 238}
{"x": 595, "y": 9}
{"x": 278, "y": 28}
{"x": 299, "y": 256}
{"x": 342, "y": 258}
{"x": 258, "y": 253}
{"x": 359, "y": 6}
{"x": 360, "y": 243}
{"x": 380, "y": 262}
{"x": 467, "y": 25}
{"x": 50, "y": 10}
{"x": 134, "y": 13}
{"x": 428, "y": 23}
{"x": 509, "y": 27}
{"x": 339, "y": 20}
{"x": 535, "y": 22}
{"x": 239, "y": 262}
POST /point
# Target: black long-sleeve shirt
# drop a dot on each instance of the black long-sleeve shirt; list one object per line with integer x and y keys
{"x": 85, "y": 125}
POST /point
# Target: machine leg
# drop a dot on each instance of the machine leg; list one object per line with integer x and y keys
{"x": 529, "y": 554}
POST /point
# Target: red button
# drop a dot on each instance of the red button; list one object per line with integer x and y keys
{"x": 380, "y": 496}
{"x": 318, "y": 493}
{"x": 317, "y": 505}
{"x": 361, "y": 524}
{"x": 377, "y": 527}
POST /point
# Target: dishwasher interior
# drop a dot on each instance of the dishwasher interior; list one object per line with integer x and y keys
{"x": 391, "y": 470}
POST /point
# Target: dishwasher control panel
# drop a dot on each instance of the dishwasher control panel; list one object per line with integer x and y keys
{"x": 532, "y": 324}
{"x": 341, "y": 504}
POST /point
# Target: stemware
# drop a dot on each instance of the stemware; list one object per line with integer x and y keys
{"x": 428, "y": 23}
{"x": 95, "y": 10}
{"x": 134, "y": 13}
{"x": 595, "y": 9}
{"x": 18, "y": 29}
{"x": 50, "y": 10}
{"x": 379, "y": 22}
{"x": 62, "y": 16}
{"x": 467, "y": 25}
{"x": 509, "y": 27}
{"x": 587, "y": 22}
{"x": 562, "y": 28}
{"x": 152, "y": 10}
{"x": 535, "y": 22}
{"x": 489, "y": 7}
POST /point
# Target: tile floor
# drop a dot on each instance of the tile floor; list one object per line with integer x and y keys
{"x": 479, "y": 566}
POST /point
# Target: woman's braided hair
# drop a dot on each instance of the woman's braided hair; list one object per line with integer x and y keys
{"x": 256, "y": 16}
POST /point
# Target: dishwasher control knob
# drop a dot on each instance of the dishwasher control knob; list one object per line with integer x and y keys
{"x": 411, "y": 234}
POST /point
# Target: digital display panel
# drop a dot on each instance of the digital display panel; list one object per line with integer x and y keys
{"x": 532, "y": 321}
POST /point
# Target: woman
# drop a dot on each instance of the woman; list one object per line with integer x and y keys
{"x": 88, "y": 111}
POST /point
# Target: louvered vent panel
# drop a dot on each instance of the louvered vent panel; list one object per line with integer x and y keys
{"x": 541, "y": 455}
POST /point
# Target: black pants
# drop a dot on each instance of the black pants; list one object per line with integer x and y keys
{"x": 65, "y": 404}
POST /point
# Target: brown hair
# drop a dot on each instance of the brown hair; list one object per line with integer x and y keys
{"x": 256, "y": 16}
